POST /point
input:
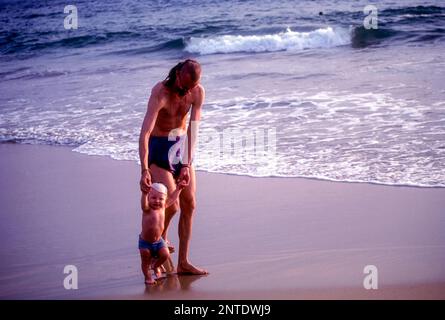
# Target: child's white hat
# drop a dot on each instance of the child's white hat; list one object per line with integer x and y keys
{"x": 159, "y": 187}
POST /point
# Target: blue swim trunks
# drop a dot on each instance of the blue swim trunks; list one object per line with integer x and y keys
{"x": 153, "y": 247}
{"x": 166, "y": 153}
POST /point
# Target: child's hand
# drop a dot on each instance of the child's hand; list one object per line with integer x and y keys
{"x": 182, "y": 184}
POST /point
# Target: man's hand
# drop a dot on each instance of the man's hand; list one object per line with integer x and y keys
{"x": 145, "y": 182}
{"x": 184, "y": 176}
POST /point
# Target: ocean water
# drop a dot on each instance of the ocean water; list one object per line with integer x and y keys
{"x": 329, "y": 98}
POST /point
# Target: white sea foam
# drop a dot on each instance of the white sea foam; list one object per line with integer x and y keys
{"x": 283, "y": 41}
{"x": 339, "y": 136}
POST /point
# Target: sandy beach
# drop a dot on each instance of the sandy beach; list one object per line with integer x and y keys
{"x": 261, "y": 238}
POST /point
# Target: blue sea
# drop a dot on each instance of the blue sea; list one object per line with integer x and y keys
{"x": 341, "y": 102}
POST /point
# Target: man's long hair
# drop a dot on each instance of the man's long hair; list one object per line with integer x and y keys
{"x": 171, "y": 78}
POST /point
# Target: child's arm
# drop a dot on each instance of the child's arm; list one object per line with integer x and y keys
{"x": 175, "y": 194}
{"x": 144, "y": 201}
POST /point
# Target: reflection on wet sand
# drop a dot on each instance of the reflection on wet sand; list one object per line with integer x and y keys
{"x": 171, "y": 283}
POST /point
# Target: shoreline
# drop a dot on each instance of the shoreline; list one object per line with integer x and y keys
{"x": 261, "y": 238}
{"x": 275, "y": 176}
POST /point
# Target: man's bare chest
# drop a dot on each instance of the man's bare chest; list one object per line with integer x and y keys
{"x": 176, "y": 108}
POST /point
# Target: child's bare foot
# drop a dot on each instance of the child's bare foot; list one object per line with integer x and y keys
{"x": 150, "y": 281}
{"x": 158, "y": 272}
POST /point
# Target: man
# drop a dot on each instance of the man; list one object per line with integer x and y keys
{"x": 166, "y": 149}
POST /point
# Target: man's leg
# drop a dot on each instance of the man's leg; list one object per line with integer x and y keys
{"x": 161, "y": 175}
{"x": 187, "y": 204}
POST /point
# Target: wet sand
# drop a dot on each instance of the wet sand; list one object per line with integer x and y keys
{"x": 261, "y": 238}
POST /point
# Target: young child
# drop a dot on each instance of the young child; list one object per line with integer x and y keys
{"x": 151, "y": 244}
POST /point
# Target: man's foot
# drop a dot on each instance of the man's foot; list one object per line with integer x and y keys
{"x": 189, "y": 269}
{"x": 150, "y": 281}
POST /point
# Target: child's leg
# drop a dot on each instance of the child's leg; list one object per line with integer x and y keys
{"x": 145, "y": 265}
{"x": 163, "y": 255}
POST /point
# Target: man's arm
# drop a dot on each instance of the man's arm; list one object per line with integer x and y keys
{"x": 153, "y": 107}
{"x": 192, "y": 131}
{"x": 144, "y": 201}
